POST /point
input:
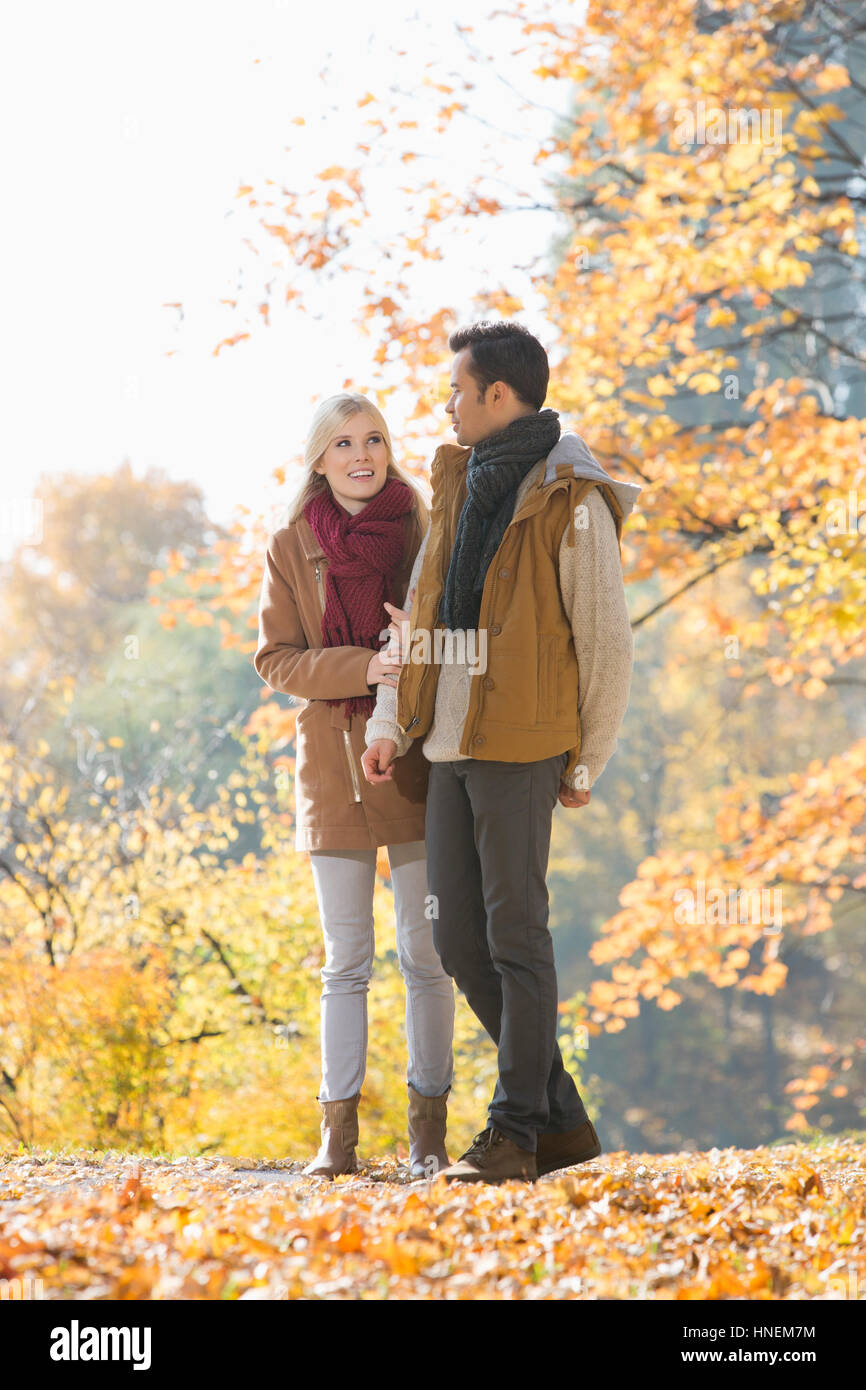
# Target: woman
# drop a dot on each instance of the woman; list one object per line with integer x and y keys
{"x": 351, "y": 536}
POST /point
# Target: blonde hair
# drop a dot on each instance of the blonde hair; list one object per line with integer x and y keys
{"x": 331, "y": 414}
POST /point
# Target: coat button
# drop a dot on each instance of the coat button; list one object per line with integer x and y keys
{"x": 495, "y": 630}
{"x": 487, "y": 683}
{"x": 504, "y": 572}
{"x": 479, "y": 738}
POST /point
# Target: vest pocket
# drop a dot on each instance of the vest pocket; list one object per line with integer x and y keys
{"x": 547, "y": 679}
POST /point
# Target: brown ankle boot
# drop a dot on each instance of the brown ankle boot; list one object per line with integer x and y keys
{"x": 555, "y": 1151}
{"x": 427, "y": 1122}
{"x": 491, "y": 1157}
{"x": 339, "y": 1137}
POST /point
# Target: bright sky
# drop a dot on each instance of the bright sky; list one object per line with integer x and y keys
{"x": 128, "y": 129}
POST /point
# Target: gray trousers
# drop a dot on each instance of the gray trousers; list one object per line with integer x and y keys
{"x": 488, "y": 840}
{"x": 344, "y": 881}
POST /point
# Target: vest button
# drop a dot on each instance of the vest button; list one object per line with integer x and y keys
{"x": 479, "y": 738}
{"x": 504, "y": 572}
{"x": 487, "y": 683}
{"x": 495, "y": 630}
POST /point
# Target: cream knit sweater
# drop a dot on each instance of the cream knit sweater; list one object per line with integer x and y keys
{"x": 593, "y": 595}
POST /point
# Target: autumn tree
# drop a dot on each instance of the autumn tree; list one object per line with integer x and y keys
{"x": 704, "y": 299}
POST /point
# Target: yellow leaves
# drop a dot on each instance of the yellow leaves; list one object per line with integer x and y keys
{"x": 705, "y": 382}
{"x": 810, "y": 123}
{"x": 720, "y": 317}
{"x": 115, "y": 742}
{"x": 661, "y": 386}
{"x": 831, "y": 78}
{"x": 607, "y": 192}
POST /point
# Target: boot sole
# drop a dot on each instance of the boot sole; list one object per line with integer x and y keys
{"x": 570, "y": 1162}
{"x": 326, "y": 1173}
{"x": 479, "y": 1177}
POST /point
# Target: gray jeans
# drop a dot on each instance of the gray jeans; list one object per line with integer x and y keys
{"x": 344, "y": 881}
{"x": 488, "y": 840}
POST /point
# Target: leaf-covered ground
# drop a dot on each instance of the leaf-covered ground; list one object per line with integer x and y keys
{"x": 786, "y": 1222}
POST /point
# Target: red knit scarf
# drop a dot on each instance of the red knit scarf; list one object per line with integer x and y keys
{"x": 364, "y": 552}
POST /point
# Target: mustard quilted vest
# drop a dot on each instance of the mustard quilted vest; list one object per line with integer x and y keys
{"x": 523, "y": 706}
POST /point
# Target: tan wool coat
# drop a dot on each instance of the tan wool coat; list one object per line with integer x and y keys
{"x": 336, "y": 807}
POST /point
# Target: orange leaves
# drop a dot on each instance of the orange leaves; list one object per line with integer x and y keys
{"x": 350, "y": 1239}
{"x": 134, "y": 1193}
{"x": 724, "y": 1225}
{"x": 229, "y": 342}
{"x": 708, "y": 913}
{"x": 807, "y": 1091}
{"x": 333, "y": 171}
{"x": 668, "y": 999}
{"x": 771, "y": 979}
{"x": 271, "y": 722}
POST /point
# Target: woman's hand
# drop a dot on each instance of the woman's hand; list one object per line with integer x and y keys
{"x": 383, "y": 668}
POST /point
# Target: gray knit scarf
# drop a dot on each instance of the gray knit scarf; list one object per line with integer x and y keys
{"x": 494, "y": 471}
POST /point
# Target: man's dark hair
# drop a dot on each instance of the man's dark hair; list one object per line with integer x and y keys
{"x": 505, "y": 352}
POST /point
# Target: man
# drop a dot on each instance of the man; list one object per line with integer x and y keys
{"x": 520, "y": 572}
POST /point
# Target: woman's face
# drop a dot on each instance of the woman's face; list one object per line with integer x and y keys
{"x": 355, "y": 462}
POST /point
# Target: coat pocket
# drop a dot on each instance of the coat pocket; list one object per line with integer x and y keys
{"x": 547, "y": 679}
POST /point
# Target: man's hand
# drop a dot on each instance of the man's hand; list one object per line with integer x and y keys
{"x": 398, "y": 628}
{"x": 571, "y": 796}
{"x": 378, "y": 759}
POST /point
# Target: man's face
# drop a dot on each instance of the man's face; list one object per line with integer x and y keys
{"x": 471, "y": 418}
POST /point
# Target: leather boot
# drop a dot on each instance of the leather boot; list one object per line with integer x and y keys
{"x": 427, "y": 1121}
{"x": 555, "y": 1151}
{"x": 491, "y": 1157}
{"x": 339, "y": 1137}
